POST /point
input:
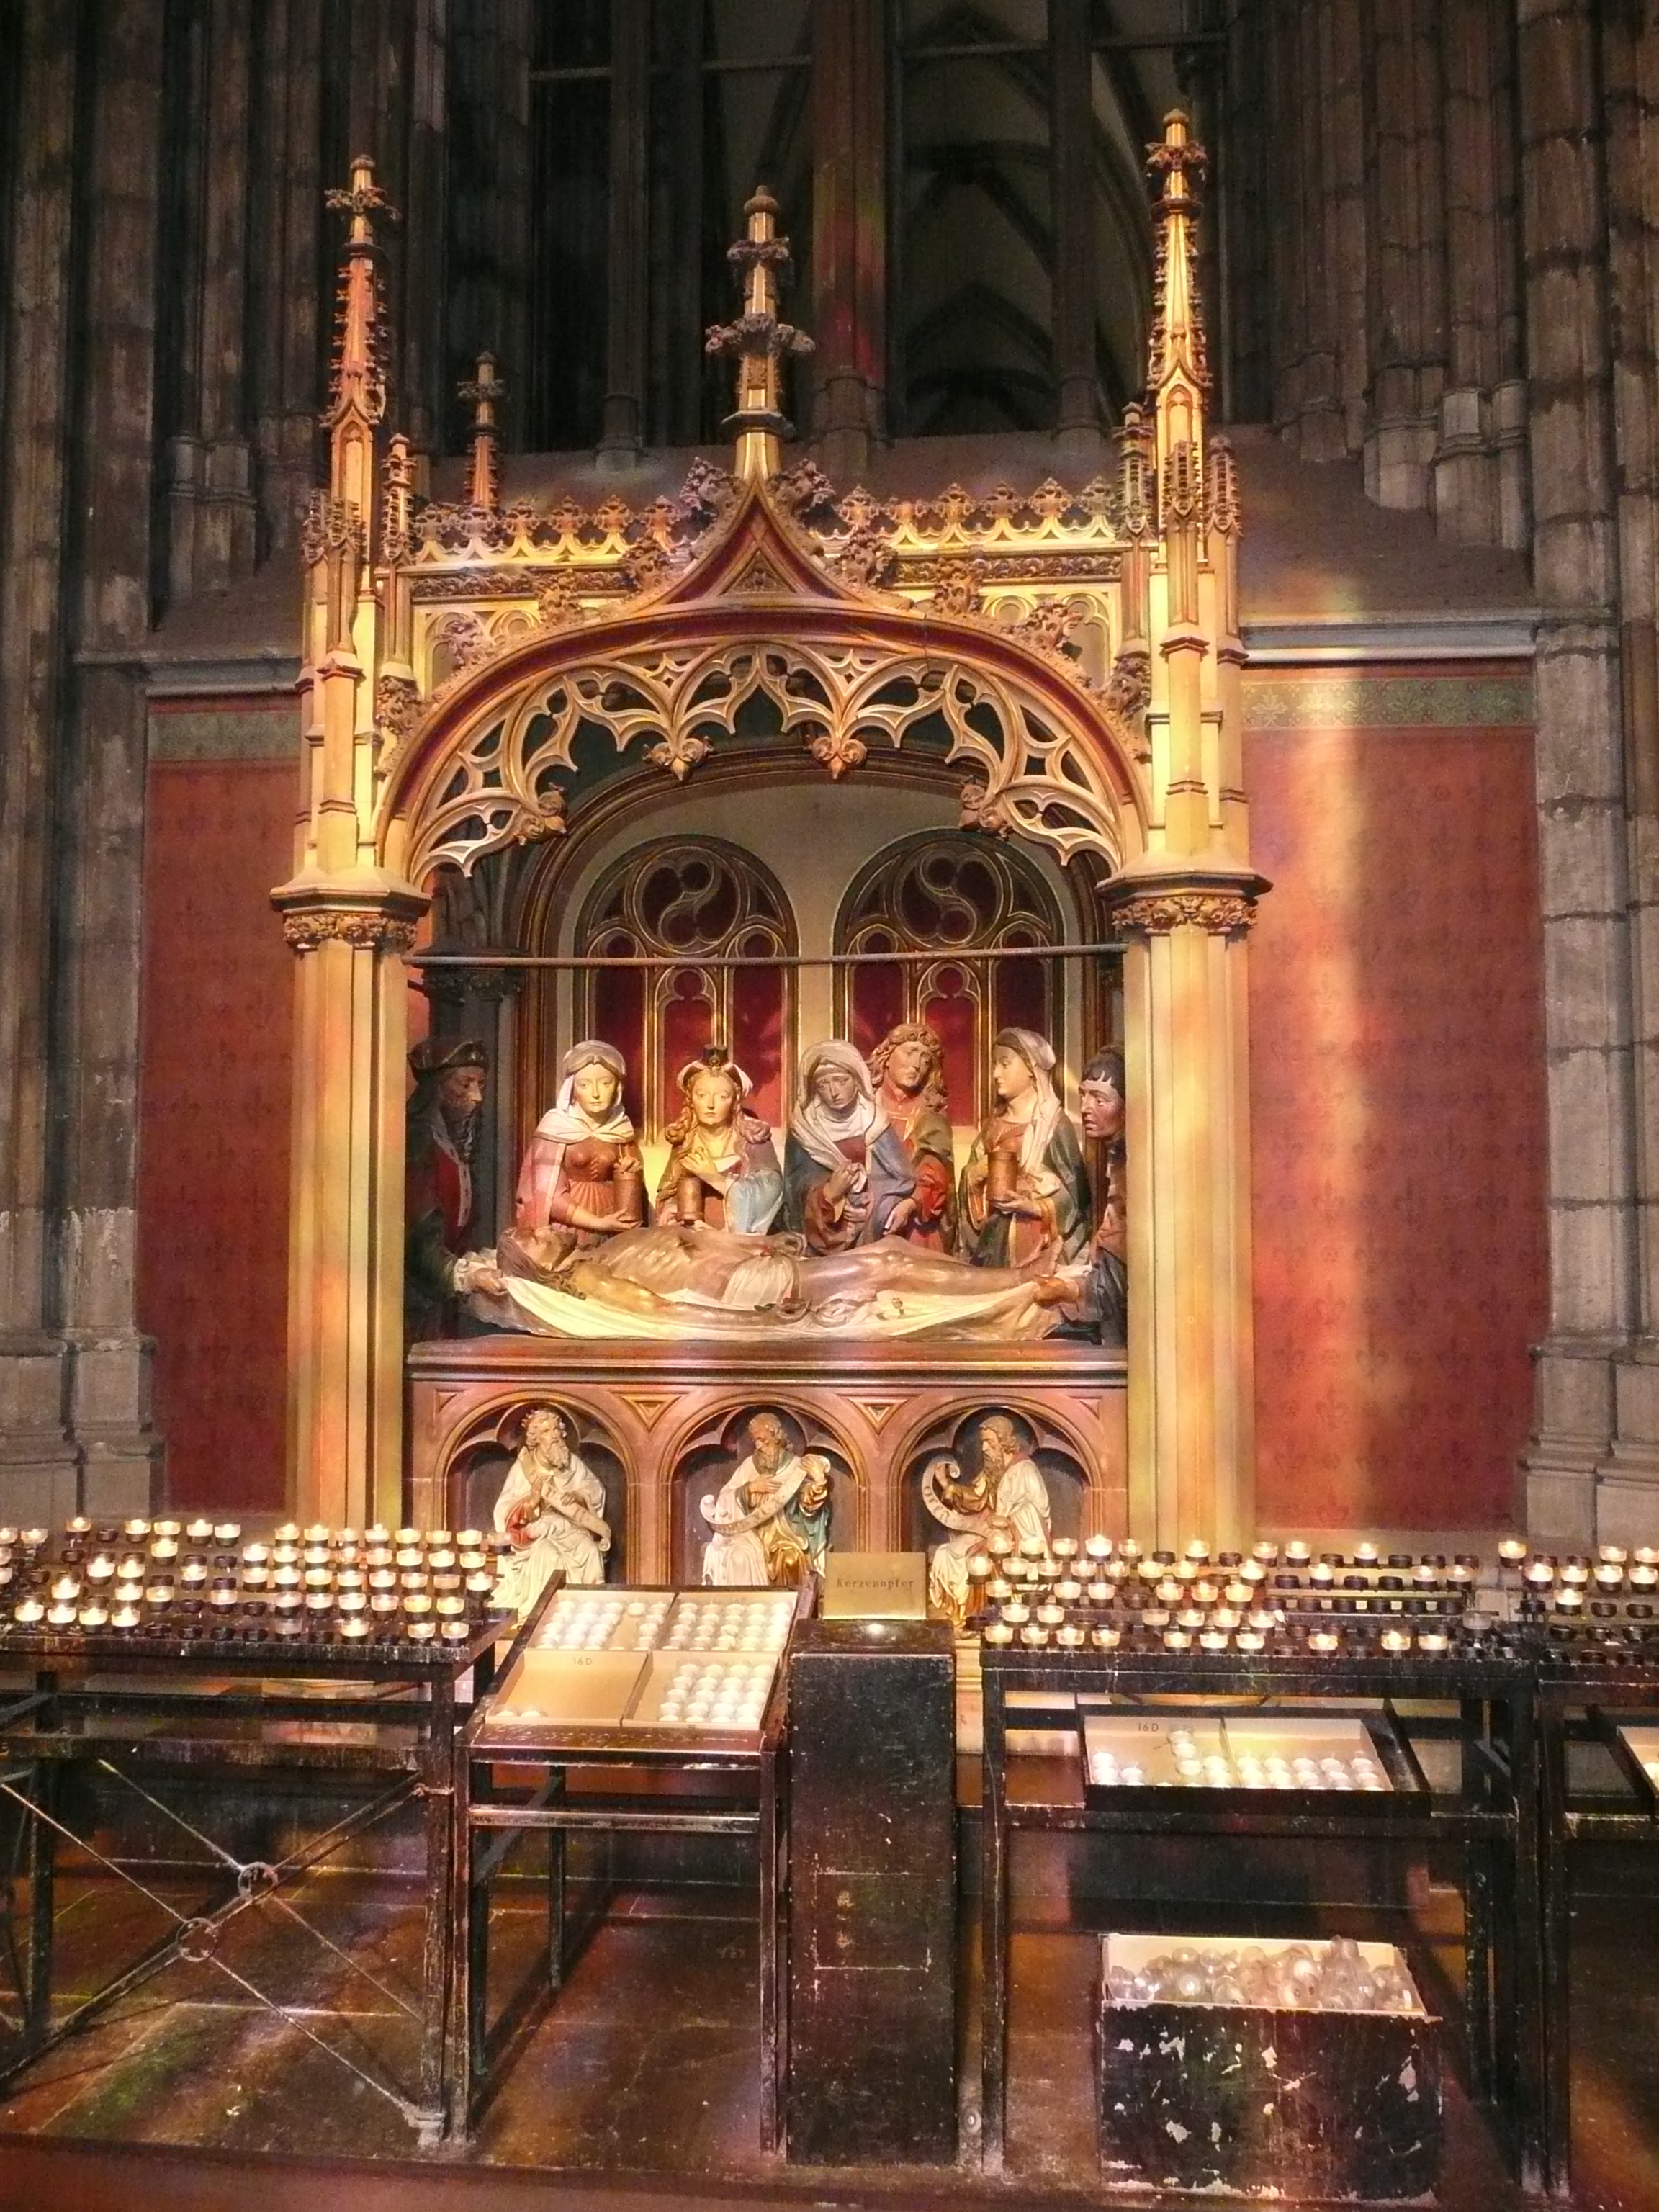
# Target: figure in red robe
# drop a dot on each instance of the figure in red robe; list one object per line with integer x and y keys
{"x": 441, "y": 1138}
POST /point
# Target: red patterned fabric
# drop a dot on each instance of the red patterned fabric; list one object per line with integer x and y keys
{"x": 213, "y": 1108}
{"x": 1398, "y": 1123}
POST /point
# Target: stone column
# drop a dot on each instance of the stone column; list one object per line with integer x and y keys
{"x": 95, "y": 1041}
{"x": 209, "y": 466}
{"x": 1629, "y": 1500}
{"x": 1071, "y": 195}
{"x": 38, "y": 1464}
{"x": 1479, "y": 467}
{"x": 1407, "y": 262}
{"x": 1184, "y": 904}
{"x": 622, "y": 430}
{"x": 287, "y": 323}
{"x": 1580, "y": 766}
{"x": 849, "y": 233}
{"x": 489, "y": 50}
{"x": 349, "y": 921}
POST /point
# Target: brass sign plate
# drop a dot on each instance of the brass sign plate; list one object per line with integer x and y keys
{"x": 875, "y": 1586}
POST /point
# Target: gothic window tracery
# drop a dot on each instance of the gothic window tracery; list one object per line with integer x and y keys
{"x": 692, "y": 902}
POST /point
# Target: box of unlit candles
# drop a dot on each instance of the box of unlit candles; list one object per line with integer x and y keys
{"x": 1286, "y": 2070}
{"x": 1351, "y": 1755}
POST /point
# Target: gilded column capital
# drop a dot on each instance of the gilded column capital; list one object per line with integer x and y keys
{"x": 1222, "y": 914}
{"x": 1150, "y": 904}
{"x": 363, "y": 932}
{"x": 372, "y": 914}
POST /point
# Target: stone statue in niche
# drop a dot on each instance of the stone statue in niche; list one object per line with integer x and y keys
{"x": 551, "y": 1510}
{"x": 846, "y": 1172}
{"x": 1024, "y": 1191}
{"x": 770, "y": 1521}
{"x": 909, "y": 1068}
{"x": 722, "y": 1168}
{"x": 581, "y": 1179}
{"x": 1008, "y": 1495}
{"x": 1099, "y": 1310}
{"x": 440, "y": 1137}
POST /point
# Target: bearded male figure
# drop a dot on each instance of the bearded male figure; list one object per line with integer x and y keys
{"x": 1007, "y": 1497}
{"x": 441, "y": 1138}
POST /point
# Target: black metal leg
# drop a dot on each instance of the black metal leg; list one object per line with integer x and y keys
{"x": 42, "y": 1866}
{"x": 766, "y": 1842}
{"x": 994, "y": 1937}
{"x": 438, "y": 1761}
{"x": 1537, "y": 1760}
{"x": 558, "y": 1868}
{"x": 1478, "y": 1969}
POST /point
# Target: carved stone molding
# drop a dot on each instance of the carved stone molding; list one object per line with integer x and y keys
{"x": 1029, "y": 772}
{"x": 363, "y": 931}
{"x": 1221, "y": 913}
{"x": 397, "y": 711}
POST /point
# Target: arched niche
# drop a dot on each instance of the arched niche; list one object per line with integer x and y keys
{"x": 1065, "y": 1475}
{"x": 479, "y": 1462}
{"x": 709, "y": 1455}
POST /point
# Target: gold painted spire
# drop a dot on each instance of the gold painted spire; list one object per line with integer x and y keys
{"x": 357, "y": 384}
{"x": 1177, "y": 368}
{"x": 759, "y": 340}
{"x": 482, "y": 390}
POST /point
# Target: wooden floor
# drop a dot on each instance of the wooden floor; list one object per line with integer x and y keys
{"x": 639, "y": 2090}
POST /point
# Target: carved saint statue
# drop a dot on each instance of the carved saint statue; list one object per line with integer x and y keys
{"x": 1025, "y": 1190}
{"x": 1008, "y": 1495}
{"x": 441, "y": 1138}
{"x": 771, "y": 1519}
{"x": 551, "y": 1509}
{"x": 909, "y": 1068}
{"x": 846, "y": 1172}
{"x": 582, "y": 1176}
{"x": 722, "y": 1165}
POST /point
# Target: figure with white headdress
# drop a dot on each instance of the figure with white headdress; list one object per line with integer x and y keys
{"x": 582, "y": 1180}
{"x": 722, "y": 1168}
{"x": 847, "y": 1174}
{"x": 1025, "y": 1190}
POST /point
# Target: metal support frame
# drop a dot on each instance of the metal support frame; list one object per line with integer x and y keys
{"x": 107, "y": 1723}
{"x": 1577, "y": 1703}
{"x": 487, "y": 1821}
{"x": 1494, "y": 1819}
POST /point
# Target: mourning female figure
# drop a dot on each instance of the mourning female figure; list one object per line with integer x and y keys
{"x": 1025, "y": 1190}
{"x": 909, "y": 1068}
{"x": 845, "y": 1170}
{"x": 582, "y": 1173}
{"x": 722, "y": 1165}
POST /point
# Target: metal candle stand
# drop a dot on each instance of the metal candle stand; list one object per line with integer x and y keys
{"x": 491, "y": 1813}
{"x": 1586, "y": 1688}
{"x": 1133, "y": 1641}
{"x": 132, "y": 1703}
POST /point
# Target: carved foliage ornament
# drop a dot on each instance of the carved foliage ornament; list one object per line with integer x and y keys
{"x": 838, "y": 700}
{"x": 364, "y": 931}
{"x": 1221, "y": 913}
